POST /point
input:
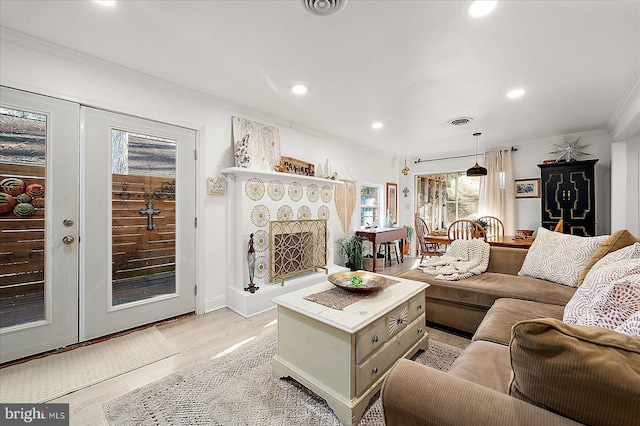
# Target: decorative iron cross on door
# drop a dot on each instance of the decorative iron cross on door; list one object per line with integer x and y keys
{"x": 149, "y": 211}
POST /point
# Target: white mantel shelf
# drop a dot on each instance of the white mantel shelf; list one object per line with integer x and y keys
{"x": 241, "y": 171}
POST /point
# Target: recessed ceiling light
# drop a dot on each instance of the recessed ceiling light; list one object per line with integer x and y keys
{"x": 377, "y": 125}
{"x": 299, "y": 89}
{"x": 515, "y": 93}
{"x": 107, "y": 3}
{"x": 481, "y": 7}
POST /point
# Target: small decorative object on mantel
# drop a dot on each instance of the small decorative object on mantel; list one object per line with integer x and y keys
{"x": 251, "y": 264}
{"x": 569, "y": 151}
{"x": 296, "y": 167}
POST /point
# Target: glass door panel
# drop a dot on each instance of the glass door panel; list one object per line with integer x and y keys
{"x": 143, "y": 216}
{"x": 23, "y": 137}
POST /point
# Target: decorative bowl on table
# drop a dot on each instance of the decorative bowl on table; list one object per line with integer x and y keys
{"x": 524, "y": 233}
{"x": 358, "y": 281}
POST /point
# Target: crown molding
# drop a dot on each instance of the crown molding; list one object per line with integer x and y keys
{"x": 629, "y": 105}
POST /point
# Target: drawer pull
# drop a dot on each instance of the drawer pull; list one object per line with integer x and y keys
{"x": 375, "y": 370}
{"x": 375, "y": 339}
{"x": 420, "y": 331}
{"x": 420, "y": 307}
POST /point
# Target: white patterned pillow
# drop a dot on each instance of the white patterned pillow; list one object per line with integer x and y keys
{"x": 631, "y": 327}
{"x": 608, "y": 297}
{"x": 559, "y": 257}
{"x": 628, "y": 252}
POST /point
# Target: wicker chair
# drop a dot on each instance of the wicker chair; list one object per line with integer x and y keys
{"x": 422, "y": 232}
{"x": 465, "y": 229}
{"x": 494, "y": 225}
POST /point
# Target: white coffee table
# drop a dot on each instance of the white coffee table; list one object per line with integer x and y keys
{"x": 344, "y": 355}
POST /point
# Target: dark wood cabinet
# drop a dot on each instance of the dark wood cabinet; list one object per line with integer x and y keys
{"x": 568, "y": 193}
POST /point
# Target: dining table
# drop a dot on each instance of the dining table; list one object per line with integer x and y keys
{"x": 493, "y": 240}
{"x": 379, "y": 236}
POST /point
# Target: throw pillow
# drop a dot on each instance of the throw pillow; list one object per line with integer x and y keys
{"x": 559, "y": 257}
{"x": 588, "y": 374}
{"x": 616, "y": 241}
{"x": 606, "y": 298}
{"x": 631, "y": 327}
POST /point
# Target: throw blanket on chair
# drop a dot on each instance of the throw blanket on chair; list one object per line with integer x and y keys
{"x": 463, "y": 259}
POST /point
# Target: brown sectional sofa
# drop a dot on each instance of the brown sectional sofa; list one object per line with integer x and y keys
{"x": 463, "y": 304}
{"x": 559, "y": 374}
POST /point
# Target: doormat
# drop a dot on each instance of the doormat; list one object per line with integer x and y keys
{"x": 43, "y": 379}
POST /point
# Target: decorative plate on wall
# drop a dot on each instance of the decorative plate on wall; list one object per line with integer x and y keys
{"x": 285, "y": 213}
{"x": 261, "y": 268}
{"x": 275, "y": 190}
{"x": 304, "y": 213}
{"x": 295, "y": 191}
{"x": 325, "y": 193}
{"x": 260, "y": 215}
{"x": 254, "y": 188}
{"x": 260, "y": 240}
{"x": 313, "y": 193}
{"x": 323, "y": 213}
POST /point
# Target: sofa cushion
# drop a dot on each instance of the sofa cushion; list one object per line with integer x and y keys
{"x": 589, "y": 374}
{"x": 486, "y": 364}
{"x": 559, "y": 257}
{"x": 616, "y": 241}
{"x": 505, "y": 313}
{"x": 482, "y": 290}
{"x": 610, "y": 294}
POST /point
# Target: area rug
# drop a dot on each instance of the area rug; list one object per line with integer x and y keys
{"x": 43, "y": 379}
{"x": 238, "y": 389}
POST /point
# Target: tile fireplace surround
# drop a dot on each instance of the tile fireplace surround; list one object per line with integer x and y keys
{"x": 255, "y": 198}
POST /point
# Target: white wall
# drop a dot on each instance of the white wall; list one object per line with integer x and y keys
{"x": 45, "y": 69}
{"x": 530, "y": 153}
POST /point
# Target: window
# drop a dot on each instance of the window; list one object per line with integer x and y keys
{"x": 370, "y": 202}
{"x": 444, "y": 198}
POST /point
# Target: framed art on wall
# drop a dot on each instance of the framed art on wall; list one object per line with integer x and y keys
{"x": 527, "y": 188}
{"x": 392, "y": 202}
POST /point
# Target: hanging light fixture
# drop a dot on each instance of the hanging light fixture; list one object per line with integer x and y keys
{"x": 405, "y": 171}
{"x": 477, "y": 169}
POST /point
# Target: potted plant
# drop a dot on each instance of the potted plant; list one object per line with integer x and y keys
{"x": 407, "y": 241}
{"x": 483, "y": 224}
{"x": 351, "y": 248}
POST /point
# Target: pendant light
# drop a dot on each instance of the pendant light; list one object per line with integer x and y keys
{"x": 405, "y": 171}
{"x": 477, "y": 169}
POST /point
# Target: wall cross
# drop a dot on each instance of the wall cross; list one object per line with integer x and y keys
{"x": 149, "y": 211}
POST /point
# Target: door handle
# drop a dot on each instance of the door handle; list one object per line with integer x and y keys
{"x": 68, "y": 239}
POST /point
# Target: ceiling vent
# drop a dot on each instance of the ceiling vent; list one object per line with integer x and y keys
{"x": 324, "y": 7}
{"x": 460, "y": 121}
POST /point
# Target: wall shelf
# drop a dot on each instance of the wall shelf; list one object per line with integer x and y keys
{"x": 241, "y": 171}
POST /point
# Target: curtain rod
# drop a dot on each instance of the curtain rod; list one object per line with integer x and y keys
{"x": 513, "y": 148}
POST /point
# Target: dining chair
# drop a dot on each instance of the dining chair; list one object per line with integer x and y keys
{"x": 494, "y": 225}
{"x": 422, "y": 232}
{"x": 465, "y": 229}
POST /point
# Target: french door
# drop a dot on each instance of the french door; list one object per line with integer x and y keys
{"x": 96, "y": 223}
{"x": 38, "y": 224}
{"x": 138, "y": 207}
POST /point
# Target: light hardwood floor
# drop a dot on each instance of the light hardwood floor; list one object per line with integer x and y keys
{"x": 198, "y": 338}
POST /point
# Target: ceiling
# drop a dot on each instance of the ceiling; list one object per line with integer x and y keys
{"x": 413, "y": 65}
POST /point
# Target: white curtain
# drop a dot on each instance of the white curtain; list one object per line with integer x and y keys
{"x": 497, "y": 196}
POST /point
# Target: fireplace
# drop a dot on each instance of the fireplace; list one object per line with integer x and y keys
{"x": 297, "y": 246}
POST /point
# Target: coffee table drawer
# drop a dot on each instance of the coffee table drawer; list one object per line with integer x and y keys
{"x": 416, "y": 306}
{"x": 378, "y": 364}
{"x": 369, "y": 339}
